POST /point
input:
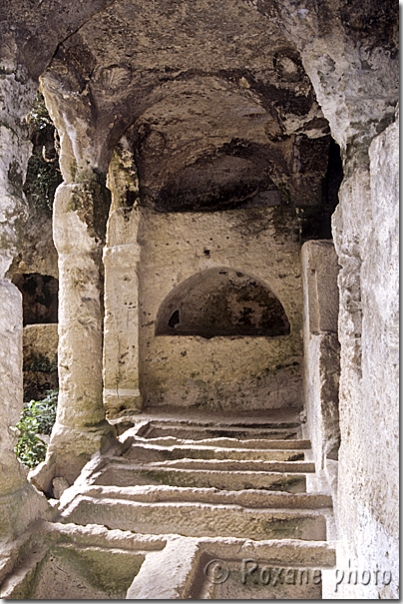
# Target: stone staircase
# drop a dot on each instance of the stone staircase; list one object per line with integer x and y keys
{"x": 228, "y": 494}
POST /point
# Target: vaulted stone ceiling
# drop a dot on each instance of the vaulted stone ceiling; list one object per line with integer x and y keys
{"x": 215, "y": 103}
{"x": 214, "y": 98}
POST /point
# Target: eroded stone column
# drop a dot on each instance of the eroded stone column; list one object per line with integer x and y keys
{"x": 80, "y": 429}
{"x": 12, "y": 476}
{"x": 121, "y": 348}
{"x": 20, "y": 503}
{"x": 121, "y": 258}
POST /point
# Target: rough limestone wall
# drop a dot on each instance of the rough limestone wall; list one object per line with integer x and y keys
{"x": 40, "y": 344}
{"x": 221, "y": 372}
{"x": 321, "y": 351}
{"x": 366, "y": 238}
{"x": 17, "y": 91}
{"x": 13, "y": 476}
{"x": 37, "y": 252}
{"x": 28, "y": 39}
{"x": 350, "y": 54}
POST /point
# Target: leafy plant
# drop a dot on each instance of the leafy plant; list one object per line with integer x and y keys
{"x": 43, "y": 172}
{"x": 36, "y": 418}
{"x": 42, "y": 364}
{"x": 38, "y": 118}
{"x": 41, "y": 183}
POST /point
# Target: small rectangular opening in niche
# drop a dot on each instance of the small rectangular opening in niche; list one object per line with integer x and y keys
{"x": 40, "y": 295}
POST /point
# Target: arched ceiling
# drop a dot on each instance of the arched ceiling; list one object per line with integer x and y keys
{"x": 31, "y": 30}
{"x": 212, "y": 96}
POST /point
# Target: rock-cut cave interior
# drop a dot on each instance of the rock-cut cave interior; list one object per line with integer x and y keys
{"x": 199, "y": 299}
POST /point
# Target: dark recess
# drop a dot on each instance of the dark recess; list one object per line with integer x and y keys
{"x": 39, "y": 297}
{"x": 315, "y": 221}
{"x": 219, "y": 302}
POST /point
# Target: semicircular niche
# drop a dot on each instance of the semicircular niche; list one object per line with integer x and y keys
{"x": 222, "y": 302}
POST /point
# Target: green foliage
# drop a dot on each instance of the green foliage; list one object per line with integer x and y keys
{"x": 43, "y": 172}
{"x": 36, "y": 418}
{"x": 38, "y": 118}
{"x": 41, "y": 363}
{"x": 42, "y": 180}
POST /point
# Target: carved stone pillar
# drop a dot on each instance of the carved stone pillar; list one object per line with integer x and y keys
{"x": 121, "y": 349}
{"x": 121, "y": 258}
{"x": 321, "y": 353}
{"x": 81, "y": 428}
{"x": 19, "y": 501}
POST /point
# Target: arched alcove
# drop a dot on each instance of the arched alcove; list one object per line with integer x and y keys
{"x": 222, "y": 302}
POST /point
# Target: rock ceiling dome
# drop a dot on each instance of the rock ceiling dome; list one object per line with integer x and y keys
{"x": 214, "y": 100}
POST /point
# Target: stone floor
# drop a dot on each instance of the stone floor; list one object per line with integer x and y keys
{"x": 217, "y": 508}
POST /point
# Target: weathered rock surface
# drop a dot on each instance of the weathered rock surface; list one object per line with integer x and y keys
{"x": 36, "y": 250}
{"x": 121, "y": 258}
{"x": 321, "y": 348}
{"x": 366, "y": 227}
{"x": 81, "y": 428}
{"x": 222, "y": 372}
{"x": 13, "y": 475}
{"x": 20, "y": 503}
{"x": 40, "y": 344}
{"x": 223, "y": 107}
{"x": 16, "y": 94}
{"x": 350, "y": 52}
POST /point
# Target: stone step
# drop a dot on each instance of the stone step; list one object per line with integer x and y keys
{"x": 146, "y": 452}
{"x": 229, "y": 568}
{"x": 210, "y": 486}
{"x": 198, "y": 519}
{"x": 232, "y": 569}
{"x": 229, "y": 465}
{"x": 251, "y": 579}
{"x": 229, "y": 443}
{"x": 55, "y": 561}
{"x": 251, "y": 498}
{"x": 237, "y": 422}
{"x": 203, "y": 432}
{"x": 123, "y": 475}
{"x": 227, "y": 422}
